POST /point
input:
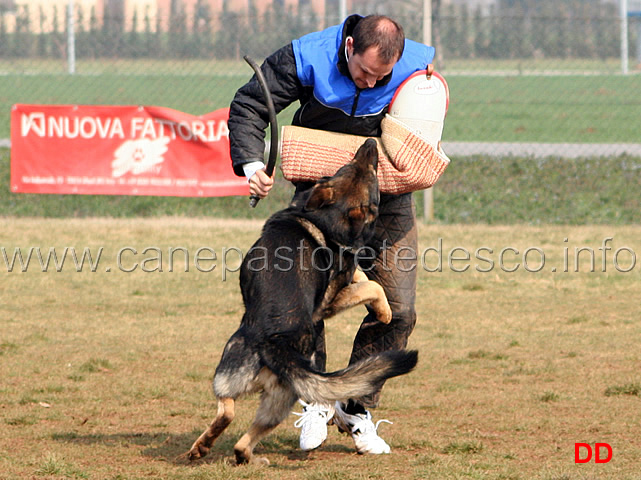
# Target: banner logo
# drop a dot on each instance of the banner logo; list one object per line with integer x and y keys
{"x": 139, "y": 156}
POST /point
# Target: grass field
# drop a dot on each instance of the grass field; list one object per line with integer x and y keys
{"x": 127, "y": 66}
{"x": 544, "y": 107}
{"x": 475, "y": 189}
{"x": 106, "y": 374}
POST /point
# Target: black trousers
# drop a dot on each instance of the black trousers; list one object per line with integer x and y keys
{"x": 395, "y": 244}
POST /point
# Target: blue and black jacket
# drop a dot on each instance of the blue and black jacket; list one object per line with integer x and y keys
{"x": 313, "y": 70}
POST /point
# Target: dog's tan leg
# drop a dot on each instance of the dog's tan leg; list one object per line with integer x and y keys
{"x": 276, "y": 402}
{"x": 244, "y": 448}
{"x": 363, "y": 291}
{"x": 225, "y": 415}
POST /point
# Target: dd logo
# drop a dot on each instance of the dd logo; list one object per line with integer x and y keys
{"x": 588, "y": 452}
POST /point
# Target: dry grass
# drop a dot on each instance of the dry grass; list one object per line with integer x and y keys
{"x": 106, "y": 375}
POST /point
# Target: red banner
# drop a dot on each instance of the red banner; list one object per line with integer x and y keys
{"x": 121, "y": 150}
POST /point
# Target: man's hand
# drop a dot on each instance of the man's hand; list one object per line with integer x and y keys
{"x": 260, "y": 183}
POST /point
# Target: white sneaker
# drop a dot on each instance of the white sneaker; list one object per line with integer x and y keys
{"x": 313, "y": 424}
{"x": 363, "y": 431}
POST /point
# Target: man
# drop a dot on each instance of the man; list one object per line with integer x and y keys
{"x": 344, "y": 77}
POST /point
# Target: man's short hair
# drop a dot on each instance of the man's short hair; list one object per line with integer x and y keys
{"x": 382, "y": 32}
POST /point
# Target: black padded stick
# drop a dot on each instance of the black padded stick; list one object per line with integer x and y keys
{"x": 273, "y": 149}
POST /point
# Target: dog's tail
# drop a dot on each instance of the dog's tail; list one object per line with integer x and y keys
{"x": 354, "y": 382}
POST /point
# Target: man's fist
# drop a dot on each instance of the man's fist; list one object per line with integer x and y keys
{"x": 260, "y": 183}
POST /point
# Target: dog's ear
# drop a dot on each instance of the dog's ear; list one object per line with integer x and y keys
{"x": 322, "y": 195}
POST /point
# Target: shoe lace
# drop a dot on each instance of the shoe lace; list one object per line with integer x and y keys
{"x": 366, "y": 426}
{"x": 310, "y": 411}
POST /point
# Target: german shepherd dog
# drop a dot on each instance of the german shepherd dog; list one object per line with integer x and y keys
{"x": 302, "y": 270}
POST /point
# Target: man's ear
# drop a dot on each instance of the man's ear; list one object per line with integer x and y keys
{"x": 349, "y": 47}
{"x": 322, "y": 195}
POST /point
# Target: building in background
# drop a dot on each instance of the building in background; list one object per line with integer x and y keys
{"x": 43, "y": 14}
{"x": 40, "y": 13}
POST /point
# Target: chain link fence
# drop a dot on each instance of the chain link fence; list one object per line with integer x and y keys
{"x": 520, "y": 72}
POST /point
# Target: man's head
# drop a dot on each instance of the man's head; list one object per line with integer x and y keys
{"x": 374, "y": 47}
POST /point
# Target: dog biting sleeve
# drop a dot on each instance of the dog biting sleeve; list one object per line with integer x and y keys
{"x": 407, "y": 162}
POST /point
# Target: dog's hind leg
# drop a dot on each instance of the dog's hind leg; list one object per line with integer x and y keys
{"x": 276, "y": 403}
{"x": 225, "y": 415}
{"x": 361, "y": 291}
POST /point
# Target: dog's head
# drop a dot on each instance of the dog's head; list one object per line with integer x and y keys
{"x": 345, "y": 206}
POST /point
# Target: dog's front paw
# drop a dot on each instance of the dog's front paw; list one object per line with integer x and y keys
{"x": 379, "y": 302}
{"x": 244, "y": 457}
{"x": 198, "y": 450}
{"x": 383, "y": 312}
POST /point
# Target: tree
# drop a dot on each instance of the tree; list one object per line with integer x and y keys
{"x": 481, "y": 34}
{"x": 93, "y": 40}
{"x": 134, "y": 47}
{"x": 151, "y": 42}
{"x": 228, "y": 35}
{"x": 178, "y": 43}
{"x": 113, "y": 27}
{"x": 202, "y": 34}
{"x": 23, "y": 38}
{"x": 4, "y": 36}
{"x": 42, "y": 46}
{"x": 57, "y": 38}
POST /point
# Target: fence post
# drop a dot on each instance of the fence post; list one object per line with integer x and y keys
{"x": 638, "y": 41}
{"x": 71, "y": 40}
{"x": 623, "y": 7}
{"x": 428, "y": 197}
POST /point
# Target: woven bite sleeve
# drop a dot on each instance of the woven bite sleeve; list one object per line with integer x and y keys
{"x": 406, "y": 161}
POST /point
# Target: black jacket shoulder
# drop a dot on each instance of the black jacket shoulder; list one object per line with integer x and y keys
{"x": 248, "y": 116}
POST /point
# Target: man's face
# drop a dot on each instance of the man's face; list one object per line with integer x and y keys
{"x": 366, "y": 68}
